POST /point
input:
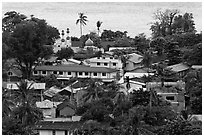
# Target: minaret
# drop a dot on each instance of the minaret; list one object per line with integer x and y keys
{"x": 68, "y": 39}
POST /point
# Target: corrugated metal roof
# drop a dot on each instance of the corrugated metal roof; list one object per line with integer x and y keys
{"x": 178, "y": 67}
{"x": 136, "y": 58}
{"x": 76, "y": 68}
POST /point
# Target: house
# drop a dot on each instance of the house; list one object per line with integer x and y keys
{"x": 79, "y": 71}
{"x": 65, "y": 109}
{"x": 120, "y": 48}
{"x": 196, "y": 67}
{"x": 129, "y": 87}
{"x": 133, "y": 62}
{"x": 30, "y": 84}
{"x": 171, "y": 91}
{"x": 48, "y": 108}
{"x": 57, "y": 127}
{"x": 181, "y": 69}
{"x": 51, "y": 91}
{"x": 71, "y": 62}
{"x": 14, "y": 74}
{"x": 104, "y": 61}
{"x": 139, "y": 72}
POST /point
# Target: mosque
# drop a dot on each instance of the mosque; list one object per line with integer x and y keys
{"x": 65, "y": 42}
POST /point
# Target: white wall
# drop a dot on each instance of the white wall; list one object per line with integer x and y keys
{"x": 45, "y": 132}
{"x": 60, "y": 132}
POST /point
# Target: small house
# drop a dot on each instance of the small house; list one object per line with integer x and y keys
{"x": 65, "y": 109}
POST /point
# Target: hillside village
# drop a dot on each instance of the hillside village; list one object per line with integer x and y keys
{"x": 105, "y": 83}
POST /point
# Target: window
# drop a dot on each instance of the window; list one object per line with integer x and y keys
{"x": 170, "y": 97}
{"x": 114, "y": 64}
{"x": 98, "y": 57}
{"x": 105, "y": 64}
{"x": 60, "y": 72}
{"x": 103, "y": 74}
{"x": 44, "y": 72}
{"x": 53, "y": 132}
{"x": 69, "y": 73}
{"x": 98, "y": 63}
{"x": 10, "y": 73}
{"x": 95, "y": 74}
{"x": 80, "y": 73}
{"x": 35, "y": 72}
{"x": 55, "y": 72}
{"x": 86, "y": 73}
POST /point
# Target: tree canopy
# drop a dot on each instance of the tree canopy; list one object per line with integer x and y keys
{"x": 26, "y": 39}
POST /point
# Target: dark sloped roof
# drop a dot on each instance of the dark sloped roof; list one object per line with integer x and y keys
{"x": 64, "y": 104}
{"x": 77, "y": 43}
{"x": 76, "y": 68}
{"x": 50, "y": 125}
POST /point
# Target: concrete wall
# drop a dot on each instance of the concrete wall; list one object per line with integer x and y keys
{"x": 58, "y": 132}
{"x": 130, "y": 65}
{"x": 45, "y": 132}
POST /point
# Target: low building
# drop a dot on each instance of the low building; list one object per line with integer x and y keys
{"x": 133, "y": 62}
{"x": 79, "y": 71}
{"x": 181, "y": 69}
{"x": 108, "y": 62}
{"x": 61, "y": 127}
{"x": 65, "y": 109}
{"x": 71, "y": 62}
{"x": 171, "y": 91}
{"x": 48, "y": 108}
{"x": 129, "y": 87}
{"x": 14, "y": 74}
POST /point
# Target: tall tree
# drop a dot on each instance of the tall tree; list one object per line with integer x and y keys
{"x": 82, "y": 21}
{"x": 168, "y": 22}
{"x": 164, "y": 21}
{"x": 173, "y": 53}
{"x": 26, "y": 40}
{"x": 65, "y": 53}
{"x": 98, "y": 24}
{"x": 183, "y": 23}
{"x": 158, "y": 44}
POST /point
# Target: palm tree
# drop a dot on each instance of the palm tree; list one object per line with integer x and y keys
{"x": 82, "y": 20}
{"x": 98, "y": 24}
{"x": 93, "y": 90}
{"x": 147, "y": 62}
{"x": 26, "y": 110}
{"x": 7, "y": 103}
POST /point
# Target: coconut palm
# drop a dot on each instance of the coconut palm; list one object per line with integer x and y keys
{"x": 26, "y": 110}
{"x": 98, "y": 24}
{"x": 7, "y": 103}
{"x": 82, "y": 20}
{"x": 93, "y": 90}
{"x": 147, "y": 62}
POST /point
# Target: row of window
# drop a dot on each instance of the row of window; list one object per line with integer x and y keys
{"x": 68, "y": 73}
{"x": 105, "y": 64}
{"x": 105, "y": 58}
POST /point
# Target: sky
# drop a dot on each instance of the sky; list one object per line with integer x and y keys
{"x": 133, "y": 17}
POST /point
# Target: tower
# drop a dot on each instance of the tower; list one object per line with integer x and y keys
{"x": 68, "y": 39}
